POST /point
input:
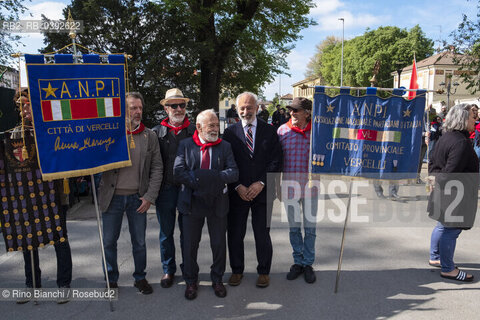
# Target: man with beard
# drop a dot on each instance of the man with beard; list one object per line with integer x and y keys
{"x": 204, "y": 165}
{"x": 257, "y": 151}
{"x": 132, "y": 190}
{"x": 170, "y": 132}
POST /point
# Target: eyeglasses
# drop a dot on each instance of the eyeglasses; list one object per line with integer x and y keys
{"x": 293, "y": 110}
{"x": 176, "y": 105}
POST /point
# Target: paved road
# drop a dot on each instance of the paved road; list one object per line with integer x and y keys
{"x": 384, "y": 273}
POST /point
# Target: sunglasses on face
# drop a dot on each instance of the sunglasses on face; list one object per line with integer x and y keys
{"x": 293, "y": 110}
{"x": 176, "y": 105}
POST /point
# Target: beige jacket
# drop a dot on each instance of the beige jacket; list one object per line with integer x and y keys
{"x": 151, "y": 170}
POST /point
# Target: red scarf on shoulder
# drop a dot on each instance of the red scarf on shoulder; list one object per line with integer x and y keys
{"x": 176, "y": 130}
{"x": 203, "y": 146}
{"x": 139, "y": 129}
{"x": 298, "y": 130}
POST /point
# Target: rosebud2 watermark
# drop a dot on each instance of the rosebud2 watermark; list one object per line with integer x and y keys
{"x": 53, "y": 294}
{"x": 42, "y": 26}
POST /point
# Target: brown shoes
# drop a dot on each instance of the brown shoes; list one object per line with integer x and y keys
{"x": 219, "y": 289}
{"x": 167, "y": 280}
{"x": 235, "y": 279}
{"x": 263, "y": 280}
{"x": 191, "y": 291}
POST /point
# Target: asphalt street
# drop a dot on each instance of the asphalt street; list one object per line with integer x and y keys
{"x": 385, "y": 272}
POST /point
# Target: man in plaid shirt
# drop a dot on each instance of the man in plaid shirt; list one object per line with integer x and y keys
{"x": 294, "y": 137}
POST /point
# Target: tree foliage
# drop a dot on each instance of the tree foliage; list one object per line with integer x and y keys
{"x": 154, "y": 37}
{"x": 241, "y": 44}
{"x": 315, "y": 63}
{"x": 10, "y": 10}
{"x": 203, "y": 47}
{"x": 466, "y": 40}
{"x": 388, "y": 44}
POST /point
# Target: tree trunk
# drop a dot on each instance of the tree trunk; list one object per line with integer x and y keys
{"x": 209, "y": 85}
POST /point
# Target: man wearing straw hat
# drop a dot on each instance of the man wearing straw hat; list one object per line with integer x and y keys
{"x": 132, "y": 190}
{"x": 170, "y": 132}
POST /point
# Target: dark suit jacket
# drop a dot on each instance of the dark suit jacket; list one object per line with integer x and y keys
{"x": 267, "y": 155}
{"x": 204, "y": 192}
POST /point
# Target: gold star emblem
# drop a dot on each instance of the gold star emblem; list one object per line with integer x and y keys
{"x": 50, "y": 91}
{"x": 406, "y": 113}
{"x": 330, "y": 108}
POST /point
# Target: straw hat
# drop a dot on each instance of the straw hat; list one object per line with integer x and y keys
{"x": 173, "y": 94}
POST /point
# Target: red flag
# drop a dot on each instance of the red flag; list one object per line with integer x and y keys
{"x": 413, "y": 81}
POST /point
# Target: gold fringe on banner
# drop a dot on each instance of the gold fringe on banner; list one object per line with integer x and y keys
{"x": 24, "y": 148}
{"x": 85, "y": 172}
{"x": 66, "y": 186}
{"x": 132, "y": 143}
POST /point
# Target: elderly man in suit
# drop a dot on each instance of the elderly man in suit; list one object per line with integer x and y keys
{"x": 257, "y": 151}
{"x": 204, "y": 166}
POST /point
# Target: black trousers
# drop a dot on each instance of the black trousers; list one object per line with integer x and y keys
{"x": 192, "y": 231}
{"x": 64, "y": 260}
{"x": 64, "y": 266}
{"x": 423, "y": 150}
{"x": 237, "y": 227}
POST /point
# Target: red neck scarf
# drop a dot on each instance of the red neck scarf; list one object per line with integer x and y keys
{"x": 298, "y": 130}
{"x": 139, "y": 129}
{"x": 176, "y": 130}
{"x": 203, "y": 146}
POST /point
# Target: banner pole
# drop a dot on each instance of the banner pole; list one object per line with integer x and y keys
{"x": 343, "y": 236}
{"x": 100, "y": 234}
{"x": 440, "y": 91}
{"x": 32, "y": 265}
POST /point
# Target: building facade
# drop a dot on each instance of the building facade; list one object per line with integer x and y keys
{"x": 10, "y": 78}
{"x": 433, "y": 71}
{"x": 302, "y": 88}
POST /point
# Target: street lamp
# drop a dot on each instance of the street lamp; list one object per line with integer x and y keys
{"x": 400, "y": 65}
{"x": 448, "y": 86}
{"x": 341, "y": 65}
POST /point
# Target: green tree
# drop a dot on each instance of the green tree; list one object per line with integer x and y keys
{"x": 203, "y": 47}
{"x": 466, "y": 40}
{"x": 388, "y": 44}
{"x": 275, "y": 100}
{"x": 315, "y": 63}
{"x": 9, "y": 11}
{"x": 155, "y": 37}
{"x": 241, "y": 44}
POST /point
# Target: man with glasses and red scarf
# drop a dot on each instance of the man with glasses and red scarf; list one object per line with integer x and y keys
{"x": 170, "y": 132}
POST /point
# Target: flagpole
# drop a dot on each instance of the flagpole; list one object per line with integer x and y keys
{"x": 342, "y": 246}
{"x": 365, "y": 88}
{"x": 73, "y": 35}
{"x": 100, "y": 234}
{"x": 34, "y": 276}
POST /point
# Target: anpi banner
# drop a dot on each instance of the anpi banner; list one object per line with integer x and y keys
{"x": 78, "y": 114}
{"x": 367, "y": 136}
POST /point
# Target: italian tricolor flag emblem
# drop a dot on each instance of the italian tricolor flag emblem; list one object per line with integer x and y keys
{"x": 364, "y": 134}
{"x": 54, "y": 110}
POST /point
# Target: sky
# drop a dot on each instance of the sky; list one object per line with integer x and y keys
{"x": 437, "y": 18}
